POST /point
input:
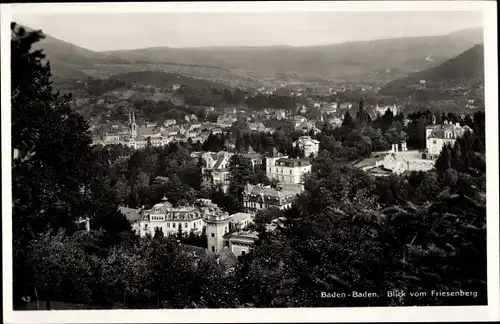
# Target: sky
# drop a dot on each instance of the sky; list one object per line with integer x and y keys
{"x": 105, "y": 31}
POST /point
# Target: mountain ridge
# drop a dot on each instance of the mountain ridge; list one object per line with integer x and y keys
{"x": 465, "y": 70}
{"x": 330, "y": 61}
{"x": 351, "y": 61}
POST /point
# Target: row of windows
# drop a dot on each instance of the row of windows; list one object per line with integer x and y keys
{"x": 175, "y": 225}
{"x": 278, "y": 171}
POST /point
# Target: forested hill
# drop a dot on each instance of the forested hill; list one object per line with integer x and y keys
{"x": 328, "y": 61}
{"x": 69, "y": 61}
{"x": 464, "y": 70}
{"x": 167, "y": 80}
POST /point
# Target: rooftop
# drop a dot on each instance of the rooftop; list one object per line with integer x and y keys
{"x": 245, "y": 234}
{"x": 285, "y": 191}
{"x": 131, "y": 214}
{"x": 238, "y": 217}
{"x": 293, "y": 162}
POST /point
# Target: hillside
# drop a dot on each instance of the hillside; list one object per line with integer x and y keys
{"x": 69, "y": 61}
{"x": 372, "y": 61}
{"x": 344, "y": 60}
{"x": 465, "y": 70}
{"x": 166, "y": 80}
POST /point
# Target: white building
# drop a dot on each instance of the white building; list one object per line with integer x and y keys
{"x": 110, "y": 138}
{"x": 286, "y": 170}
{"x": 308, "y": 145}
{"x": 240, "y": 221}
{"x": 169, "y": 122}
{"x": 240, "y": 242}
{"x": 215, "y": 168}
{"x": 437, "y": 136}
{"x": 304, "y": 125}
{"x": 168, "y": 219}
{"x": 259, "y": 197}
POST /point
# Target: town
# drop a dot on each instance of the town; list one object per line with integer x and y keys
{"x": 247, "y": 177}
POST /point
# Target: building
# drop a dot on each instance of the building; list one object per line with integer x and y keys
{"x": 305, "y": 126}
{"x": 110, "y": 138}
{"x": 259, "y": 197}
{"x": 140, "y": 136}
{"x": 163, "y": 216}
{"x": 395, "y": 162}
{"x": 215, "y": 168}
{"x": 280, "y": 114}
{"x": 259, "y": 127}
{"x": 335, "y": 121}
{"x": 217, "y": 227}
{"x": 404, "y": 161}
{"x": 286, "y": 170}
{"x": 240, "y": 221}
{"x": 226, "y": 120}
{"x": 240, "y": 241}
{"x": 345, "y": 105}
{"x": 437, "y": 136}
{"x": 254, "y": 157}
{"x": 308, "y": 145}
{"x": 329, "y": 110}
{"x": 169, "y": 122}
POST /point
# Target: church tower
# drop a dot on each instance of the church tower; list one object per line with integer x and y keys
{"x": 217, "y": 227}
{"x": 133, "y": 125}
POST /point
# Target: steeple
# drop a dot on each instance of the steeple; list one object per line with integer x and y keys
{"x": 133, "y": 125}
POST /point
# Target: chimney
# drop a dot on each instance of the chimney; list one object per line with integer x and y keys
{"x": 457, "y": 124}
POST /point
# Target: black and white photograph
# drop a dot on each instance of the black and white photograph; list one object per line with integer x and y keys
{"x": 289, "y": 160}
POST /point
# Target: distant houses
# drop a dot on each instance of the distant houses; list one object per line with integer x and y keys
{"x": 215, "y": 168}
{"x": 259, "y": 197}
{"x": 307, "y": 144}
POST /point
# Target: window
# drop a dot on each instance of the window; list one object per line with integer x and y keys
{"x": 185, "y": 225}
{"x": 168, "y": 225}
{"x": 213, "y": 248}
{"x": 213, "y": 235}
{"x": 290, "y": 171}
{"x": 434, "y": 142}
{"x": 243, "y": 253}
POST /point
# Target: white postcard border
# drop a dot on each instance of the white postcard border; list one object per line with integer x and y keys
{"x": 376, "y": 314}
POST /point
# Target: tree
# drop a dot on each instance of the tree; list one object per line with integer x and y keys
{"x": 51, "y": 150}
{"x": 180, "y": 233}
{"x": 348, "y": 122}
{"x": 443, "y": 162}
{"x": 362, "y": 117}
{"x": 240, "y": 172}
{"x": 52, "y": 258}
